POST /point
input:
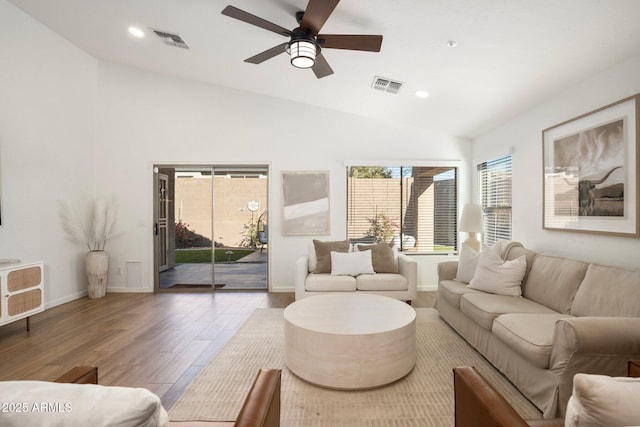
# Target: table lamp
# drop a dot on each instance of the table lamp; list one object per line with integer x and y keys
{"x": 471, "y": 222}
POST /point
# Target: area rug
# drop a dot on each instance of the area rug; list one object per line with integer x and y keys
{"x": 423, "y": 398}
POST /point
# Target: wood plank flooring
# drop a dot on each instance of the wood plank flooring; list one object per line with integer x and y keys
{"x": 156, "y": 341}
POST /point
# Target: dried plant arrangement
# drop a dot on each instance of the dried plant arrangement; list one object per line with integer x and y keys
{"x": 96, "y": 236}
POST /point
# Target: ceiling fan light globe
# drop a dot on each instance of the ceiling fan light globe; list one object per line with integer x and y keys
{"x": 303, "y": 53}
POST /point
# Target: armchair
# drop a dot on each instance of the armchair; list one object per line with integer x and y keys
{"x": 261, "y": 407}
{"x": 478, "y": 404}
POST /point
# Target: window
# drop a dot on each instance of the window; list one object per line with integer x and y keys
{"x": 415, "y": 207}
{"x": 494, "y": 179}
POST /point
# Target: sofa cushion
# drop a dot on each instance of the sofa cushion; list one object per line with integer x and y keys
{"x": 383, "y": 257}
{"x": 451, "y": 291}
{"x": 80, "y": 405}
{"x": 529, "y": 335}
{"x": 382, "y": 282}
{"x": 608, "y": 291}
{"x": 483, "y": 308}
{"x": 323, "y": 254}
{"x": 497, "y": 276}
{"x": 351, "y": 263}
{"x": 553, "y": 281}
{"x": 467, "y": 264}
{"x": 599, "y": 400}
{"x": 328, "y": 283}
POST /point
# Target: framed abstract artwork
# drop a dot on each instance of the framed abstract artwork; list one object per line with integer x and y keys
{"x": 590, "y": 177}
{"x": 305, "y": 203}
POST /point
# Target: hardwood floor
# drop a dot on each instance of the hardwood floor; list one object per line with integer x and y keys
{"x": 156, "y": 341}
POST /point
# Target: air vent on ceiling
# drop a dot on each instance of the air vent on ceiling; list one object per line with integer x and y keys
{"x": 171, "y": 39}
{"x": 387, "y": 85}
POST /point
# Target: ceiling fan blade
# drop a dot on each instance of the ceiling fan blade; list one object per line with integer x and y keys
{"x": 267, "y": 54}
{"x": 321, "y": 68}
{"x": 236, "y": 13}
{"x": 369, "y": 43}
{"x": 316, "y": 15}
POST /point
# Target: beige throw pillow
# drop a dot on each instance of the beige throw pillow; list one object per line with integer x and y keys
{"x": 467, "y": 264}
{"x": 382, "y": 256}
{"x": 496, "y": 276}
{"x": 599, "y": 400}
{"x": 323, "y": 254}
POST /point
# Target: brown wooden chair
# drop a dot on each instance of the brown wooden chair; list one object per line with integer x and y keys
{"x": 261, "y": 406}
{"x": 478, "y": 404}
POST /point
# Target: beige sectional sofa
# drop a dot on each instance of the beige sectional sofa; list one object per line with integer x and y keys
{"x": 572, "y": 317}
{"x": 401, "y": 284}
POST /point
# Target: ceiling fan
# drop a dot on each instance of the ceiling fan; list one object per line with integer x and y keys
{"x": 306, "y": 44}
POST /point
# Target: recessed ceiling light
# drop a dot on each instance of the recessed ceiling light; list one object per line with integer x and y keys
{"x": 136, "y": 32}
{"x": 451, "y": 43}
{"x": 422, "y": 94}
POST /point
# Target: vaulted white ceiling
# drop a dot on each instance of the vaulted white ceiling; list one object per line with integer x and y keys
{"x": 510, "y": 54}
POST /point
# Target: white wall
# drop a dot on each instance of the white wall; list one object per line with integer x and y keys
{"x": 523, "y": 135}
{"x": 47, "y": 97}
{"x": 72, "y": 127}
{"x": 145, "y": 118}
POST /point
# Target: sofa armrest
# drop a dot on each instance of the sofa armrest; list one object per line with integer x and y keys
{"x": 477, "y": 403}
{"x": 301, "y": 273}
{"x": 408, "y": 267}
{"x": 447, "y": 270}
{"x": 261, "y": 407}
{"x": 592, "y": 345}
{"x": 593, "y": 337}
{"x": 80, "y": 375}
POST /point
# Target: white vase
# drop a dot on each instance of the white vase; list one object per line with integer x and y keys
{"x": 97, "y": 272}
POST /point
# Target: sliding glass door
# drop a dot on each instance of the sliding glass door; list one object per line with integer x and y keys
{"x": 211, "y": 227}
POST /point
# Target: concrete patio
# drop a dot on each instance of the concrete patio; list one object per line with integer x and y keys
{"x": 249, "y": 272}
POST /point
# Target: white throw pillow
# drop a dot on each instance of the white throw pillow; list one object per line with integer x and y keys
{"x": 49, "y": 404}
{"x": 599, "y": 400}
{"x": 496, "y": 276}
{"x": 313, "y": 260}
{"x": 467, "y": 264}
{"x": 351, "y": 263}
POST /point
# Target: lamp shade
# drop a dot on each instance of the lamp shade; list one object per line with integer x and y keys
{"x": 471, "y": 219}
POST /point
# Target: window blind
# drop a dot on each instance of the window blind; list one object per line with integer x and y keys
{"x": 413, "y": 207}
{"x": 494, "y": 179}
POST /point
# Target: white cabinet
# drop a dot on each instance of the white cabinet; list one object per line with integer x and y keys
{"x": 22, "y": 287}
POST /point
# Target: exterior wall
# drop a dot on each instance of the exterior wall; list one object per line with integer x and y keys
{"x": 193, "y": 202}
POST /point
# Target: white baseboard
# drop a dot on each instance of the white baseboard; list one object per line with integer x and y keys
{"x": 64, "y": 300}
{"x": 125, "y": 290}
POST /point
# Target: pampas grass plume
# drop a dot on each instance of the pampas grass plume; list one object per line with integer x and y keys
{"x": 72, "y": 224}
{"x": 104, "y": 215}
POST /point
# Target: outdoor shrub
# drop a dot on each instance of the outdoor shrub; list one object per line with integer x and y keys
{"x": 382, "y": 227}
{"x": 250, "y": 235}
{"x": 184, "y": 235}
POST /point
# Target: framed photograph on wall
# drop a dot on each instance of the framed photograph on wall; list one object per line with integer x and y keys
{"x": 590, "y": 176}
{"x": 305, "y": 203}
